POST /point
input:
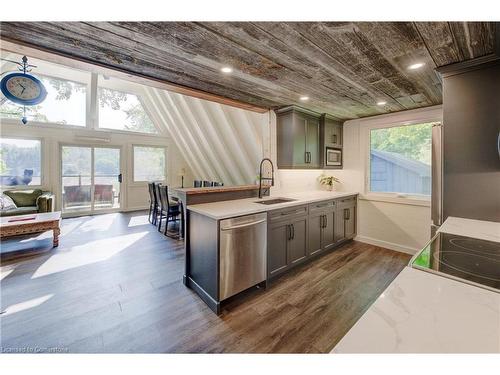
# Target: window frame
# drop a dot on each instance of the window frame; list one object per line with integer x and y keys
{"x": 415, "y": 117}
{"x": 51, "y": 124}
{"x": 141, "y": 101}
{"x": 92, "y": 105}
{"x": 42, "y": 164}
{"x": 143, "y": 182}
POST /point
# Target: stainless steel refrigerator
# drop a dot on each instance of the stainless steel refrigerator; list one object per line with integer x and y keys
{"x": 465, "y": 148}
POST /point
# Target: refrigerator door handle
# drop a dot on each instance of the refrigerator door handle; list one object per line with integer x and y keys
{"x": 437, "y": 178}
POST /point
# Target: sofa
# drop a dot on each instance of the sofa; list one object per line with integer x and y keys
{"x": 29, "y": 202}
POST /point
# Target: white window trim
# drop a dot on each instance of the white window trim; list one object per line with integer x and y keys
{"x": 418, "y": 116}
{"x": 42, "y": 164}
{"x": 133, "y": 182}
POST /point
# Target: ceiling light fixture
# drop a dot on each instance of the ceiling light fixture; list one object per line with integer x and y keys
{"x": 226, "y": 69}
{"x": 416, "y": 66}
{"x": 381, "y": 103}
{"x": 304, "y": 98}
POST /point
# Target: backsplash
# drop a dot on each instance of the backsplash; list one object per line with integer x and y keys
{"x": 290, "y": 180}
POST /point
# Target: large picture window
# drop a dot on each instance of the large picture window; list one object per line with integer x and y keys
{"x": 65, "y": 104}
{"x": 123, "y": 111}
{"x": 20, "y": 162}
{"x": 149, "y": 163}
{"x": 400, "y": 159}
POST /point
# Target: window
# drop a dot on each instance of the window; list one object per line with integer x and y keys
{"x": 64, "y": 104}
{"x": 66, "y": 100}
{"x": 20, "y": 162}
{"x": 120, "y": 106}
{"x": 149, "y": 163}
{"x": 400, "y": 159}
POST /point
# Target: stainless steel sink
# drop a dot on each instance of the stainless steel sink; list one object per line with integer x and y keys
{"x": 275, "y": 201}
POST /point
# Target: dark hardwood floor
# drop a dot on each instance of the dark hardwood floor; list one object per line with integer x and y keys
{"x": 114, "y": 285}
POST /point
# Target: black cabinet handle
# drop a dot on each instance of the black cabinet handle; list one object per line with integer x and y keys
{"x": 326, "y": 221}
{"x": 321, "y": 221}
{"x": 293, "y": 231}
{"x": 335, "y": 138}
{"x": 120, "y": 178}
{"x": 288, "y": 232}
{"x": 305, "y": 157}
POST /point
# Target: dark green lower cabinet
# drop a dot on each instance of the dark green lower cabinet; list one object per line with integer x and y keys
{"x": 321, "y": 231}
{"x": 287, "y": 244}
{"x": 315, "y": 229}
{"x": 277, "y": 243}
{"x": 296, "y": 234}
{"x": 297, "y": 245}
{"x": 346, "y": 220}
{"x": 328, "y": 233}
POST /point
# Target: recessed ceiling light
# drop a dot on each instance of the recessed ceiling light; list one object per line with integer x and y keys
{"x": 226, "y": 69}
{"x": 381, "y": 103}
{"x": 304, "y": 98}
{"x": 416, "y": 66}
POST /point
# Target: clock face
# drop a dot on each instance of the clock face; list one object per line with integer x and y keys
{"x": 23, "y": 89}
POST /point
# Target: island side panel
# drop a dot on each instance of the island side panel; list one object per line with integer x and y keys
{"x": 203, "y": 252}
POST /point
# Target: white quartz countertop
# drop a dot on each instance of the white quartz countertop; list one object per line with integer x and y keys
{"x": 421, "y": 312}
{"x": 484, "y": 230}
{"x": 424, "y": 313}
{"x": 247, "y": 206}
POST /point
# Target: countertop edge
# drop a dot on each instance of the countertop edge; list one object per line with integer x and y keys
{"x": 254, "y": 210}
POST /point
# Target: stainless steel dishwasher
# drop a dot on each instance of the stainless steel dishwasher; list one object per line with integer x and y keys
{"x": 242, "y": 253}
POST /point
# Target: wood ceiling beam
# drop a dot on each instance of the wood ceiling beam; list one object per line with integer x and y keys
{"x": 23, "y": 48}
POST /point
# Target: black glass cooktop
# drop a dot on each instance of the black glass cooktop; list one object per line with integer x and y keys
{"x": 469, "y": 259}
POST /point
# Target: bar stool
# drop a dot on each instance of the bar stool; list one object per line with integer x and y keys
{"x": 169, "y": 210}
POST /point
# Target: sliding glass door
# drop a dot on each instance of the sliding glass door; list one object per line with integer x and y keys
{"x": 90, "y": 179}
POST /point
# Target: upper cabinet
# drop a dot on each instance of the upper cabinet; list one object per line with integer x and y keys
{"x": 305, "y": 137}
{"x": 331, "y": 143}
{"x": 331, "y": 131}
{"x": 298, "y": 139}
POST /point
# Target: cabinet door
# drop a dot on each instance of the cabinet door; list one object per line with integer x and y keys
{"x": 312, "y": 141}
{"x": 332, "y": 132}
{"x": 278, "y": 236}
{"x": 328, "y": 232}
{"x": 297, "y": 246}
{"x": 350, "y": 221}
{"x": 339, "y": 225}
{"x": 300, "y": 157}
{"x": 315, "y": 228}
{"x": 336, "y": 135}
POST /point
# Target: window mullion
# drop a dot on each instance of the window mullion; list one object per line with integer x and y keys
{"x": 93, "y": 115}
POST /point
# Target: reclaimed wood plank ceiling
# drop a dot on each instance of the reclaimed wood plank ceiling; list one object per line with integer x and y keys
{"x": 345, "y": 68}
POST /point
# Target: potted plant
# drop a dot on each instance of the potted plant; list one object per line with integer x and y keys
{"x": 327, "y": 181}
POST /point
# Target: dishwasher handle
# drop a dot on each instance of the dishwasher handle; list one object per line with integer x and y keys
{"x": 244, "y": 225}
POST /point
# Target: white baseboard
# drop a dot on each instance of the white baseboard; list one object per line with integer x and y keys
{"x": 387, "y": 245}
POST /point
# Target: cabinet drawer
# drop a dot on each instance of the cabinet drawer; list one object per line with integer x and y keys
{"x": 287, "y": 213}
{"x": 346, "y": 200}
{"x": 321, "y": 206}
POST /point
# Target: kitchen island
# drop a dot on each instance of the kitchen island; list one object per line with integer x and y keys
{"x": 237, "y": 244}
{"x": 423, "y": 312}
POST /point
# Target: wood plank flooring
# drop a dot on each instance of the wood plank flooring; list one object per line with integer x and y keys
{"x": 114, "y": 285}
